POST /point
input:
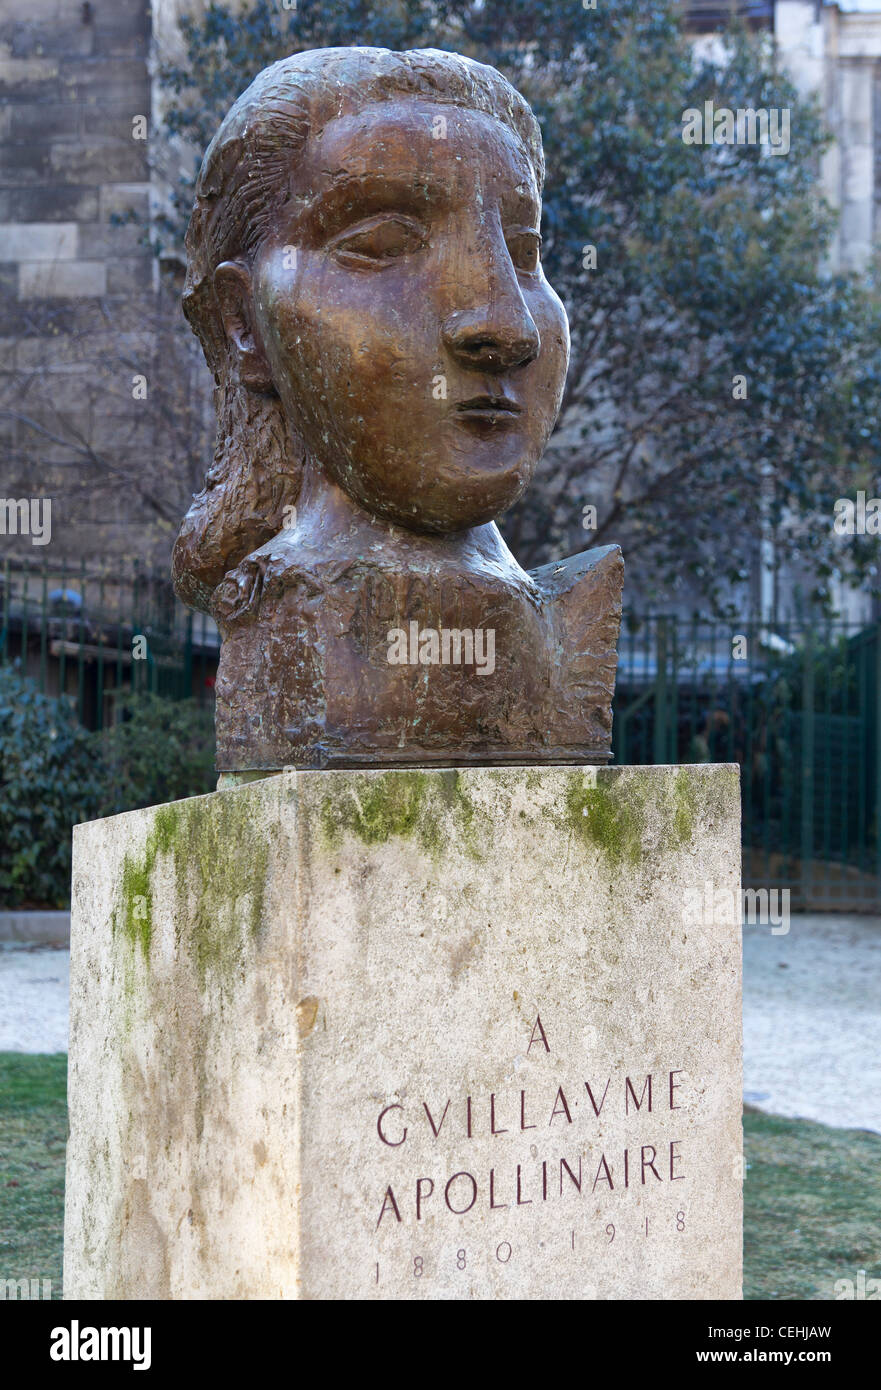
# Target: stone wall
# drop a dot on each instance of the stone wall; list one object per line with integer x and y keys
{"x": 78, "y": 286}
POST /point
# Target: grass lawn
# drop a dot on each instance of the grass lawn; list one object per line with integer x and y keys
{"x": 812, "y": 1207}
{"x": 33, "y": 1135}
{"x": 812, "y": 1195}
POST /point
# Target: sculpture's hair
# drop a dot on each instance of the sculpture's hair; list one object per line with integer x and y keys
{"x": 245, "y": 176}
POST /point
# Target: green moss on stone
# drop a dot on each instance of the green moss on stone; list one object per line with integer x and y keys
{"x": 614, "y": 812}
{"x": 408, "y": 804}
{"x": 606, "y": 814}
{"x": 220, "y": 856}
{"x": 376, "y": 809}
{"x": 137, "y": 904}
{"x": 685, "y": 803}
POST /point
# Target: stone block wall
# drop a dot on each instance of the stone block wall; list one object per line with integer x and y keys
{"x": 72, "y": 76}
{"x": 74, "y": 279}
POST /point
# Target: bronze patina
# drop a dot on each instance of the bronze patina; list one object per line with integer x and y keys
{"x": 364, "y": 276}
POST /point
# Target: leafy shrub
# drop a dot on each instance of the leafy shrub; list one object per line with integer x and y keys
{"x": 54, "y": 774}
{"x": 160, "y": 750}
{"x": 50, "y": 778}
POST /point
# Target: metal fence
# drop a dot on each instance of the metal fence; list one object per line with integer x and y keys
{"x": 796, "y": 705}
{"x": 94, "y": 636}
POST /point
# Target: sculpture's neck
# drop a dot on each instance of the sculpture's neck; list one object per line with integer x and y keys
{"x": 327, "y": 515}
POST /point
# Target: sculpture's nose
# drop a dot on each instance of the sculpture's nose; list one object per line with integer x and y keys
{"x": 496, "y": 332}
{"x": 492, "y": 338}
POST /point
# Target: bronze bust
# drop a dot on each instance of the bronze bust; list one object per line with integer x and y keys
{"x": 389, "y": 360}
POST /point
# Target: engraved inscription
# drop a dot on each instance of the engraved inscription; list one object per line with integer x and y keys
{"x": 570, "y": 1114}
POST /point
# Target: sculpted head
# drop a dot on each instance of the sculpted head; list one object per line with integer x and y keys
{"x": 365, "y": 278}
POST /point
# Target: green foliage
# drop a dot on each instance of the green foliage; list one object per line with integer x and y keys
{"x": 54, "y": 774}
{"x": 49, "y": 780}
{"x": 158, "y": 751}
{"x": 708, "y": 267}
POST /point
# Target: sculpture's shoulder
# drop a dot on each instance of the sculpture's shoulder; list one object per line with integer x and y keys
{"x": 307, "y": 675}
{"x": 585, "y": 590}
{"x": 591, "y": 579}
{"x": 262, "y": 578}
{"x": 287, "y": 575}
{"x": 583, "y": 599}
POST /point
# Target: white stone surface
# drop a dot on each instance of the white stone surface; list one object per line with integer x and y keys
{"x": 47, "y": 927}
{"x": 38, "y": 241}
{"x": 61, "y": 279}
{"x": 305, "y": 1038}
{"x": 831, "y": 53}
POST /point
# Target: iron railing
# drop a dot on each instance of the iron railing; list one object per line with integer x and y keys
{"x": 704, "y": 17}
{"x": 797, "y": 707}
{"x": 96, "y": 635}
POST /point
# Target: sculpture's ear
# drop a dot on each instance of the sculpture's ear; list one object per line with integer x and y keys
{"x": 232, "y": 285}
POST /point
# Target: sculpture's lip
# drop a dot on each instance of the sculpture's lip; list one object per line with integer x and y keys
{"x": 495, "y": 403}
{"x": 489, "y": 410}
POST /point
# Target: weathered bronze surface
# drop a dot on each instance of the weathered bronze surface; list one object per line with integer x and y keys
{"x": 389, "y": 361}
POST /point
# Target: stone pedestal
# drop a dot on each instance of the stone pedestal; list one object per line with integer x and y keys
{"x": 441, "y": 1034}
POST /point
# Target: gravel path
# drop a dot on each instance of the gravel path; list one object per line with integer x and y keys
{"x": 33, "y": 998}
{"x": 812, "y": 1016}
{"x": 812, "y": 1020}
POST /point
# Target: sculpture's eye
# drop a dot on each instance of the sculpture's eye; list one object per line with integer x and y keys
{"x": 524, "y": 247}
{"x": 379, "y": 241}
